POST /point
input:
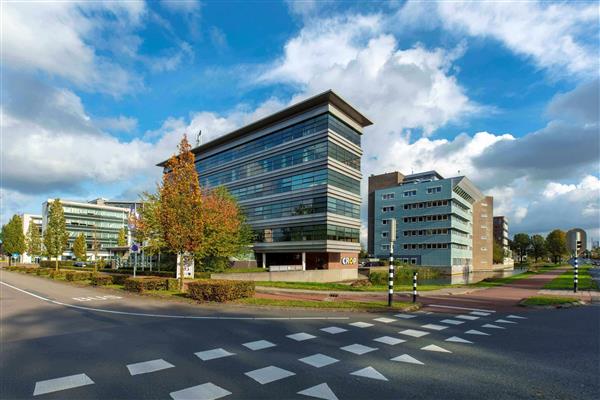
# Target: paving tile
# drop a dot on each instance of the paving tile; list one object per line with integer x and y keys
{"x": 213, "y": 354}
{"x": 413, "y": 333}
{"x": 322, "y": 391}
{"x": 361, "y": 324}
{"x": 300, "y": 337}
{"x": 369, "y": 372}
{"x": 452, "y": 321}
{"x": 407, "y": 359}
{"x": 206, "y": 391}
{"x": 334, "y": 330}
{"x": 434, "y": 327}
{"x": 405, "y": 316}
{"x": 389, "y": 340}
{"x": 385, "y": 320}
{"x": 318, "y": 360}
{"x": 259, "y": 345}
{"x": 358, "y": 349}
{"x": 269, "y": 374}
{"x": 64, "y": 383}
{"x": 148, "y": 366}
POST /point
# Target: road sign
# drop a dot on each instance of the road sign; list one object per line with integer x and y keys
{"x": 135, "y": 248}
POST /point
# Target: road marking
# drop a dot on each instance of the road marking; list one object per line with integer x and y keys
{"x": 433, "y": 347}
{"x": 407, "y": 359}
{"x": 66, "y": 382}
{"x": 269, "y": 374}
{"x": 361, "y": 324}
{"x": 318, "y": 360}
{"x": 148, "y": 366}
{"x": 515, "y": 317}
{"x": 213, "y": 354}
{"x": 405, "y": 316}
{"x": 259, "y": 345}
{"x": 503, "y": 321}
{"x": 434, "y": 327}
{"x": 300, "y": 337}
{"x": 389, "y": 340}
{"x": 322, "y": 391}
{"x": 452, "y": 321}
{"x": 492, "y": 326}
{"x": 456, "y": 339}
{"x": 476, "y": 332}
{"x": 369, "y": 372}
{"x": 334, "y": 330}
{"x": 467, "y": 317}
{"x": 138, "y": 314}
{"x": 358, "y": 349}
{"x": 460, "y": 308}
{"x": 413, "y": 333}
{"x": 92, "y": 298}
{"x": 385, "y": 320}
{"x": 206, "y": 391}
{"x": 480, "y": 313}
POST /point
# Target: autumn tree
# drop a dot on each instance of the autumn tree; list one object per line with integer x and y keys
{"x": 13, "y": 238}
{"x": 556, "y": 243}
{"x": 538, "y": 247}
{"x": 55, "y": 235}
{"x": 225, "y": 231}
{"x": 33, "y": 240}
{"x": 80, "y": 247}
{"x": 122, "y": 239}
{"x": 180, "y": 200}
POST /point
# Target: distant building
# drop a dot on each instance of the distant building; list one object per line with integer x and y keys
{"x": 101, "y": 222}
{"x": 131, "y": 205}
{"x": 29, "y": 219}
{"x": 441, "y": 222}
{"x": 576, "y": 235}
{"x": 501, "y": 231}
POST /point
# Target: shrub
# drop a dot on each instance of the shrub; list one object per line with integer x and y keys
{"x": 42, "y": 271}
{"x": 51, "y": 264}
{"x": 145, "y": 283}
{"x": 404, "y": 275}
{"x": 220, "y": 290}
{"x": 172, "y": 284}
{"x": 119, "y": 279}
{"x": 56, "y": 275}
{"x": 378, "y": 278}
{"x": 102, "y": 280}
{"x": 77, "y": 275}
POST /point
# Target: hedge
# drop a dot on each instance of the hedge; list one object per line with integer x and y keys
{"x": 220, "y": 290}
{"x": 57, "y": 275}
{"x": 52, "y": 264}
{"x": 77, "y": 275}
{"x": 101, "y": 280}
{"x": 146, "y": 283}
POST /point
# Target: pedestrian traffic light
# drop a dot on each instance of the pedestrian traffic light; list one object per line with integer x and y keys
{"x": 578, "y": 245}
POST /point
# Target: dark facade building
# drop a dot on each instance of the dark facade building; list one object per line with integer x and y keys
{"x": 296, "y": 174}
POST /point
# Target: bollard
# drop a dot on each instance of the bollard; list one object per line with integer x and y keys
{"x": 415, "y": 287}
{"x": 575, "y": 276}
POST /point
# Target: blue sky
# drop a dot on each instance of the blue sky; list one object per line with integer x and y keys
{"x": 94, "y": 94}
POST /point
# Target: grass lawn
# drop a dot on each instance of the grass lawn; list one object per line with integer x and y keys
{"x": 493, "y": 282}
{"x": 347, "y": 288}
{"x": 547, "y": 301}
{"x": 345, "y": 305}
{"x": 565, "y": 280}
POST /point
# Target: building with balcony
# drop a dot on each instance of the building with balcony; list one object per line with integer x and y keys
{"x": 441, "y": 222}
{"x": 296, "y": 174}
{"x": 100, "y": 223}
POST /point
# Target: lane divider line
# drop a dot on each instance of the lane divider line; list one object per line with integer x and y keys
{"x": 137, "y": 314}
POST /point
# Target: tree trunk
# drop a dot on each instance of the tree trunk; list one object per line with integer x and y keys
{"x": 56, "y": 264}
{"x": 180, "y": 266}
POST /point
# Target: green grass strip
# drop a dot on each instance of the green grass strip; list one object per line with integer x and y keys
{"x": 565, "y": 280}
{"x": 548, "y": 301}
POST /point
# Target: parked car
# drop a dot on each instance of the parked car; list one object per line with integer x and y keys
{"x": 79, "y": 264}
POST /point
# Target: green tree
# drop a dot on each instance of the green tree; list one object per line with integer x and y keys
{"x": 80, "y": 247}
{"x": 122, "y": 240}
{"x": 498, "y": 255}
{"x": 521, "y": 242}
{"x": 556, "y": 243}
{"x": 34, "y": 240}
{"x": 13, "y": 238}
{"x": 55, "y": 235}
{"x": 181, "y": 219}
{"x": 538, "y": 247}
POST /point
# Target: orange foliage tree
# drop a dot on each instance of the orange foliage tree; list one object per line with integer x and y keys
{"x": 181, "y": 206}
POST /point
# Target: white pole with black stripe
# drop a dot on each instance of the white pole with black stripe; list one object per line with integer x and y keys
{"x": 415, "y": 273}
{"x": 391, "y": 269}
{"x": 576, "y": 274}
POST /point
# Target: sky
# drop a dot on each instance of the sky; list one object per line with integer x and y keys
{"x": 94, "y": 94}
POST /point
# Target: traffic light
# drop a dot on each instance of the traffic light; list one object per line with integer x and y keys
{"x": 578, "y": 245}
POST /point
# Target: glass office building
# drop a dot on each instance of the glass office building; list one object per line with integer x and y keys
{"x": 297, "y": 176}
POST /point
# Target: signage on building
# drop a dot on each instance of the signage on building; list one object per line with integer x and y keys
{"x": 348, "y": 260}
{"x": 188, "y": 266}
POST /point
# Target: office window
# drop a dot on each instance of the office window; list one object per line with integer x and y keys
{"x": 385, "y": 247}
{"x": 413, "y": 261}
{"x": 405, "y": 247}
{"x": 384, "y": 221}
{"x": 388, "y": 209}
{"x": 384, "y": 234}
{"x": 435, "y": 189}
{"x": 387, "y": 196}
{"x": 410, "y": 193}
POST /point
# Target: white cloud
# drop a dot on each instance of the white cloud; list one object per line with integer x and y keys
{"x": 181, "y": 6}
{"x": 117, "y": 124}
{"x": 55, "y": 38}
{"x": 557, "y": 36}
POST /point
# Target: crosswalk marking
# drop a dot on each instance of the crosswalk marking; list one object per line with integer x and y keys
{"x": 516, "y": 317}
{"x": 57, "y": 384}
{"x": 213, "y": 354}
{"x": 492, "y": 326}
{"x": 369, "y": 372}
{"x": 389, "y": 340}
{"x": 456, "y": 339}
{"x": 385, "y": 320}
{"x": 358, "y": 349}
{"x": 407, "y": 359}
{"x": 434, "y": 327}
{"x": 467, "y": 317}
{"x": 413, "y": 333}
{"x": 148, "y": 366}
{"x": 503, "y": 321}
{"x": 300, "y": 337}
{"x": 405, "y": 316}
{"x": 322, "y": 391}
{"x": 259, "y": 345}
{"x": 476, "y": 332}
{"x": 269, "y": 374}
{"x": 206, "y": 391}
{"x": 452, "y": 321}
{"x": 361, "y": 324}
{"x": 334, "y": 330}
{"x": 318, "y": 360}
{"x": 480, "y": 313}
{"x": 433, "y": 347}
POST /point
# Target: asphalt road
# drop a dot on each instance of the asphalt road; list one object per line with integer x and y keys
{"x": 139, "y": 348}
